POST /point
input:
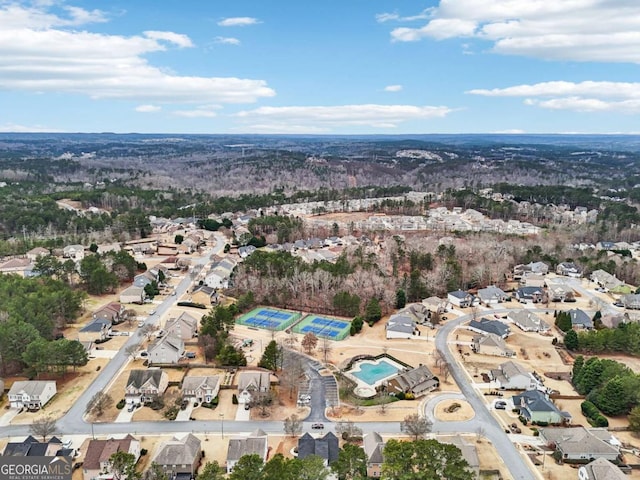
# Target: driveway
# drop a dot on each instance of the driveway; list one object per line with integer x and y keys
{"x": 8, "y": 417}
{"x": 185, "y": 415}
{"x": 125, "y": 415}
{"x": 242, "y": 415}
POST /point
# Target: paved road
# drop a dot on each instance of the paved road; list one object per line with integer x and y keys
{"x": 513, "y": 460}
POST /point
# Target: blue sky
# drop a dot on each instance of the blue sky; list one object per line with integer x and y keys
{"x": 332, "y": 67}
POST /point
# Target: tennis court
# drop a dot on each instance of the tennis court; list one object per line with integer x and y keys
{"x": 325, "y": 327}
{"x": 268, "y": 318}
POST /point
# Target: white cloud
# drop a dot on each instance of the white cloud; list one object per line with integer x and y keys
{"x": 238, "y": 21}
{"x": 16, "y": 128}
{"x": 37, "y": 54}
{"x": 376, "y": 116}
{"x": 204, "y": 111}
{"x": 36, "y": 16}
{"x": 148, "y": 108}
{"x": 176, "y": 38}
{"x": 393, "y": 88}
{"x": 587, "y": 96}
{"x": 579, "y": 30}
{"x": 395, "y": 16}
{"x": 227, "y": 40}
{"x": 282, "y": 128}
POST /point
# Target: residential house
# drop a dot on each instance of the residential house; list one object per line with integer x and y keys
{"x": 185, "y": 326}
{"x": 600, "y": 469}
{"x": 569, "y": 269}
{"x": 417, "y": 311}
{"x": 325, "y": 447}
{"x": 204, "y": 294}
{"x": 491, "y": 295}
{"x": 220, "y": 274}
{"x": 112, "y": 312}
{"x": 513, "y": 376}
{"x": 108, "y": 247}
{"x": 529, "y": 294}
{"x": 200, "y": 389}
{"x": 535, "y": 268}
{"x": 580, "y": 443}
{"x": 373, "y": 446}
{"x": 461, "y": 299}
{"x": 167, "y": 349}
{"x": 31, "y": 394}
{"x": 491, "y": 344}
{"x": 605, "y": 280}
{"x": 254, "y": 444}
{"x": 35, "y": 253}
{"x": 132, "y": 294}
{"x": 417, "y": 381}
{"x": 435, "y": 304}
{"x": 145, "y": 385}
{"x": 580, "y": 319}
{"x": 74, "y": 252}
{"x": 535, "y": 406}
{"x": 179, "y": 459}
{"x": 528, "y": 321}
{"x": 251, "y": 383}
{"x": 144, "y": 279}
{"x": 31, "y": 447}
{"x": 97, "y": 329}
{"x": 533, "y": 280}
{"x": 96, "y": 463}
{"x": 400, "y": 326}
{"x": 560, "y": 293}
{"x": 468, "y": 451}
{"x": 245, "y": 251}
{"x": 19, "y": 266}
{"x": 485, "y": 325}
{"x": 631, "y": 301}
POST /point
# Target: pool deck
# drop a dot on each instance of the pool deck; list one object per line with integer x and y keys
{"x": 364, "y": 386}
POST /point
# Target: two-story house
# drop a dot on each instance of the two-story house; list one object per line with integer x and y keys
{"x": 145, "y": 385}
{"x": 97, "y": 465}
{"x": 200, "y": 389}
{"x": 31, "y": 394}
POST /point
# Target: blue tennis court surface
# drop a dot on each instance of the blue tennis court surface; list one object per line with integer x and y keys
{"x": 325, "y": 327}
{"x": 269, "y": 318}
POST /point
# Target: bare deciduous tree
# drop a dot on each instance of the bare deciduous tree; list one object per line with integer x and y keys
{"x": 44, "y": 427}
{"x": 99, "y": 403}
{"x": 292, "y": 425}
{"x": 309, "y": 342}
{"x": 416, "y": 426}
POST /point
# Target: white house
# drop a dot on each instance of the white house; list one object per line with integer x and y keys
{"x": 528, "y": 321}
{"x": 513, "y": 376}
{"x": 75, "y": 252}
{"x": 31, "y": 394}
{"x": 491, "y": 295}
{"x": 461, "y": 299}
{"x": 201, "y": 389}
{"x": 250, "y": 383}
{"x": 168, "y": 349}
{"x": 400, "y": 326}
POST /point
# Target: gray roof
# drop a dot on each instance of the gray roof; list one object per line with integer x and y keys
{"x": 460, "y": 294}
{"x": 528, "y": 319}
{"x": 417, "y": 379}
{"x": 469, "y": 451}
{"x": 170, "y": 341}
{"x": 580, "y": 317}
{"x": 373, "y": 447}
{"x": 256, "y": 443}
{"x": 30, "y": 387}
{"x": 577, "y": 440}
{"x": 492, "y": 340}
{"x": 253, "y": 379}
{"x": 603, "y": 469}
{"x": 490, "y": 293}
{"x": 178, "y": 452}
{"x": 325, "y": 447}
{"x": 137, "y": 378}
{"x": 490, "y": 326}
{"x": 535, "y": 401}
{"x": 193, "y": 383}
{"x": 401, "y": 323}
{"x": 96, "y": 325}
{"x": 510, "y": 369}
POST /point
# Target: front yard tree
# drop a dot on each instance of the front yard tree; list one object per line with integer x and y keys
{"x": 123, "y": 466}
{"x": 563, "y": 321}
{"x": 43, "y": 427}
{"x": 211, "y": 471}
{"x": 415, "y": 425}
{"x": 178, "y": 239}
{"x": 309, "y": 342}
{"x": 249, "y": 467}
{"x": 99, "y": 403}
{"x": 155, "y": 472}
{"x": 571, "y": 340}
{"x": 312, "y": 468}
{"x": 372, "y": 312}
{"x": 131, "y": 350}
{"x": 351, "y": 463}
{"x": 271, "y": 356}
{"x": 293, "y": 426}
{"x": 412, "y": 460}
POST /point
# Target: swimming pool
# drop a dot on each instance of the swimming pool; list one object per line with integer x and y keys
{"x": 372, "y": 372}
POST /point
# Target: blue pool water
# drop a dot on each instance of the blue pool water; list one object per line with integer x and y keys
{"x": 373, "y": 373}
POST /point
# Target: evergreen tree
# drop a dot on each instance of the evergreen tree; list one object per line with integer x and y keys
{"x": 271, "y": 356}
{"x": 401, "y": 299}
{"x": 373, "y": 312}
{"x": 571, "y": 340}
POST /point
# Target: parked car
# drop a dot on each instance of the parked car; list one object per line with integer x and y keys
{"x": 317, "y": 426}
{"x": 144, "y": 354}
{"x": 501, "y": 405}
{"x": 131, "y": 408}
{"x": 152, "y": 312}
{"x": 190, "y": 355}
